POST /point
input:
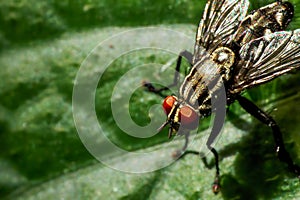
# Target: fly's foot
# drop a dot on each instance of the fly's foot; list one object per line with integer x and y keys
{"x": 296, "y": 170}
{"x": 148, "y": 86}
{"x": 216, "y": 186}
{"x": 284, "y": 156}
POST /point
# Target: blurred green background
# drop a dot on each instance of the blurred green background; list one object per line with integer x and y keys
{"x": 43, "y": 43}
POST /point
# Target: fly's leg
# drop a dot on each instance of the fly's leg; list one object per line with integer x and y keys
{"x": 159, "y": 91}
{"x": 216, "y": 184}
{"x": 281, "y": 152}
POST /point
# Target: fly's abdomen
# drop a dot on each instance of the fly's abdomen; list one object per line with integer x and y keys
{"x": 269, "y": 19}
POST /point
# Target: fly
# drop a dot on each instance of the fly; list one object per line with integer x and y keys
{"x": 246, "y": 51}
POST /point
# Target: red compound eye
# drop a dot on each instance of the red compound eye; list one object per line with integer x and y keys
{"x": 188, "y": 117}
{"x": 168, "y": 104}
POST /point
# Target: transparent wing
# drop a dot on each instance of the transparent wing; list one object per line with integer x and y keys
{"x": 220, "y": 19}
{"x": 266, "y": 58}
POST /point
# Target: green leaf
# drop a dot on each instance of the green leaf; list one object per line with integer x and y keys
{"x": 42, "y": 156}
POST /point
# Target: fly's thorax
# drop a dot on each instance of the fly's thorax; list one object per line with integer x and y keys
{"x": 206, "y": 77}
{"x": 224, "y": 58}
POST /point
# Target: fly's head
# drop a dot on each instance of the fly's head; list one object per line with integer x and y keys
{"x": 179, "y": 115}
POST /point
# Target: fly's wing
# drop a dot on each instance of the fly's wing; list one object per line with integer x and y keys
{"x": 266, "y": 58}
{"x": 220, "y": 20}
